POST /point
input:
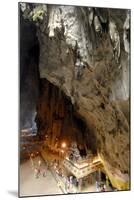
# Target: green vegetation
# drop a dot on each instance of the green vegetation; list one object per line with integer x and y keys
{"x": 38, "y": 15}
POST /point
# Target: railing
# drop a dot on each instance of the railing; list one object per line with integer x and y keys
{"x": 81, "y": 172}
{"x": 88, "y": 160}
{"x": 58, "y": 179}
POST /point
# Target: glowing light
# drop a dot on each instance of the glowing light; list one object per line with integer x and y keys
{"x": 63, "y": 145}
{"x": 62, "y": 151}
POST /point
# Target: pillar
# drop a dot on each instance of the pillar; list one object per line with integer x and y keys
{"x": 99, "y": 175}
{"x": 107, "y": 182}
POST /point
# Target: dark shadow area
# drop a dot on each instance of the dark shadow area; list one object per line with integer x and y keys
{"x": 29, "y": 73}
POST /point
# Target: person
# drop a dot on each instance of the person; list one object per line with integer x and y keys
{"x": 103, "y": 189}
{"x": 97, "y": 186}
{"x": 59, "y": 184}
{"x": 71, "y": 179}
{"x": 39, "y": 163}
{"x": 44, "y": 173}
{"x": 77, "y": 182}
{"x": 67, "y": 185}
{"x": 71, "y": 183}
{"x": 36, "y": 172}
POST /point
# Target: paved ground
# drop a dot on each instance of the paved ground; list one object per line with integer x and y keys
{"x": 30, "y": 186}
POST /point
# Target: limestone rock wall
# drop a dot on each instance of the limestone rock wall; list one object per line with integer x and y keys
{"x": 58, "y": 121}
{"x": 85, "y": 52}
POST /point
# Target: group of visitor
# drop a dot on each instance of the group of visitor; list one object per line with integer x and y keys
{"x": 38, "y": 170}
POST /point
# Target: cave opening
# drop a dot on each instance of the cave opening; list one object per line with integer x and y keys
{"x": 58, "y": 121}
{"x": 74, "y": 130}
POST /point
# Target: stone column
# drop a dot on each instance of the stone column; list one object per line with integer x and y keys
{"x": 99, "y": 175}
{"x": 107, "y": 182}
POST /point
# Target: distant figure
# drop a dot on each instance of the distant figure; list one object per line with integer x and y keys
{"x": 103, "y": 189}
{"x": 67, "y": 185}
{"x": 59, "y": 184}
{"x": 97, "y": 186}
{"x": 39, "y": 163}
{"x": 77, "y": 183}
{"x": 71, "y": 182}
{"x": 71, "y": 179}
{"x": 44, "y": 173}
{"x": 36, "y": 172}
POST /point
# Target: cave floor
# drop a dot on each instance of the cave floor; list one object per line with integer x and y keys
{"x": 48, "y": 185}
{"x": 31, "y": 186}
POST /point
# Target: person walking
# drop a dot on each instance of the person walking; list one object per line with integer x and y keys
{"x": 97, "y": 186}
{"x": 67, "y": 185}
{"x": 36, "y": 172}
{"x": 103, "y": 188}
{"x": 39, "y": 163}
{"x": 44, "y": 173}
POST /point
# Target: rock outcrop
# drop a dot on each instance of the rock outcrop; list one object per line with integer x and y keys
{"x": 58, "y": 120}
{"x": 85, "y": 53}
{"x": 29, "y": 73}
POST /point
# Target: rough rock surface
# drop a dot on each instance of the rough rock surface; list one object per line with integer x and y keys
{"x": 29, "y": 73}
{"x": 57, "y": 119}
{"x": 85, "y": 53}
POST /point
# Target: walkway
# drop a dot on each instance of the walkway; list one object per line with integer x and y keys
{"x": 30, "y": 186}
